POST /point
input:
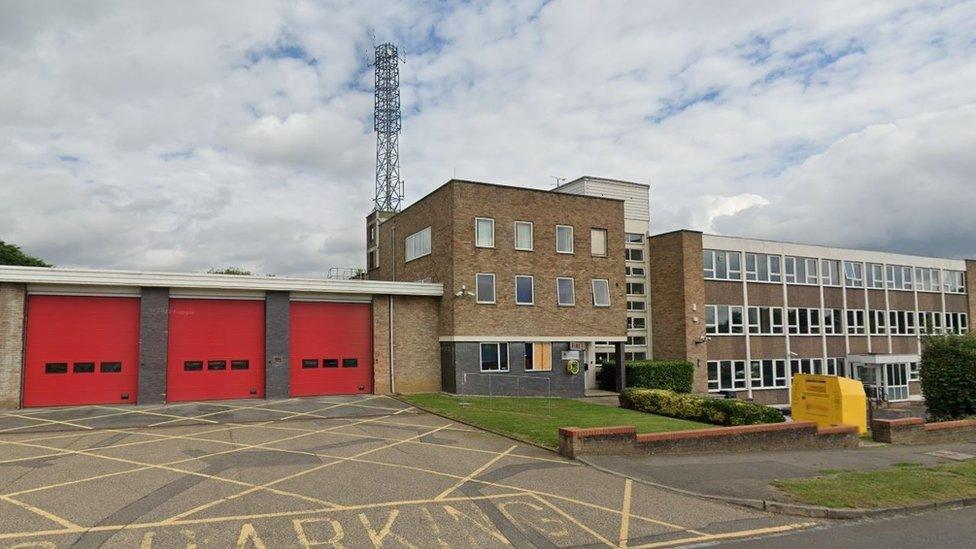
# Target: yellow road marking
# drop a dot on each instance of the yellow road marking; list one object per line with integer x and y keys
{"x": 476, "y": 472}
{"x": 625, "y": 514}
{"x": 45, "y": 420}
{"x": 573, "y": 519}
{"x": 37, "y": 510}
{"x": 731, "y": 535}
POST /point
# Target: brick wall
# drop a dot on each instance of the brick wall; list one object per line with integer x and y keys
{"x": 677, "y": 288}
{"x": 11, "y": 343}
{"x": 416, "y": 352}
{"x": 971, "y": 292}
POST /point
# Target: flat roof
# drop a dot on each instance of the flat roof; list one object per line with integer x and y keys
{"x": 96, "y": 277}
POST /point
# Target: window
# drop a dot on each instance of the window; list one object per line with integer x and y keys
{"x": 901, "y": 322}
{"x": 928, "y": 280}
{"x": 373, "y": 259}
{"x": 330, "y": 362}
{"x": 830, "y": 272}
{"x": 484, "y": 232}
{"x": 494, "y": 357}
{"x": 723, "y": 319}
{"x": 804, "y": 321}
{"x": 524, "y": 290}
{"x": 485, "y": 288}
{"x": 853, "y": 274}
{"x": 834, "y": 367}
{"x": 564, "y": 239}
{"x": 565, "y": 292}
{"x": 955, "y": 282}
{"x": 855, "y": 321}
{"x": 806, "y": 366}
{"x": 726, "y": 375}
{"x": 83, "y": 368}
{"x": 56, "y": 368}
{"x": 763, "y": 268}
{"x": 538, "y": 357}
{"x": 957, "y": 323}
{"x": 634, "y": 254}
{"x": 523, "y": 236}
{"x": 765, "y": 320}
{"x": 876, "y": 321}
{"x": 350, "y": 363}
{"x": 110, "y": 367}
{"x": 637, "y": 340}
{"x": 721, "y": 265}
{"x": 192, "y": 366}
{"x": 635, "y": 306}
{"x": 833, "y": 321}
{"x": 309, "y": 363}
{"x": 417, "y": 244}
{"x": 875, "y": 275}
{"x": 240, "y": 364}
{"x": 930, "y": 322}
{"x": 598, "y": 242}
{"x": 635, "y": 288}
{"x": 637, "y": 355}
{"x": 635, "y": 271}
{"x": 801, "y": 270}
{"x": 636, "y": 323}
{"x": 767, "y": 374}
{"x": 899, "y": 278}
{"x": 216, "y": 365}
{"x": 601, "y": 292}
{"x": 633, "y": 238}
{"x": 913, "y": 371}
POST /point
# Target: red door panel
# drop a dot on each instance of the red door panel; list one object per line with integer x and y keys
{"x": 81, "y": 350}
{"x": 216, "y": 349}
{"x": 331, "y": 348}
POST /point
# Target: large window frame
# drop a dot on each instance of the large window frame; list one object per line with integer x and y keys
{"x": 726, "y": 375}
{"x": 876, "y": 276}
{"x": 721, "y": 265}
{"x": 855, "y": 322}
{"x": 830, "y": 272}
{"x": 804, "y": 321}
{"x": 417, "y": 245}
{"x": 763, "y": 268}
{"x": 801, "y": 270}
{"x": 853, "y": 274}
{"x": 531, "y": 236}
{"x": 596, "y": 236}
{"x": 572, "y": 239}
{"x": 477, "y": 289}
{"x": 724, "y": 320}
{"x": 538, "y": 357}
{"x": 501, "y": 358}
{"x": 572, "y": 291}
{"x": 531, "y": 280}
{"x": 487, "y": 224}
{"x": 768, "y": 373}
{"x": 765, "y": 320}
{"x": 595, "y": 284}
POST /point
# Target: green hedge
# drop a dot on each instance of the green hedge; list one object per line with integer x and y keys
{"x": 672, "y": 375}
{"x": 948, "y": 376}
{"x": 699, "y": 408}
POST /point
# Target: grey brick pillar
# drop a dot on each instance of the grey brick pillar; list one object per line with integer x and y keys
{"x": 277, "y": 344}
{"x": 153, "y": 342}
{"x": 619, "y": 380}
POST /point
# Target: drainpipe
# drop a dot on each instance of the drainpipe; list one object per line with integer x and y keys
{"x": 392, "y": 377}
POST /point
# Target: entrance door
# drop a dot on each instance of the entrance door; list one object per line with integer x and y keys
{"x": 867, "y": 374}
{"x": 896, "y": 381}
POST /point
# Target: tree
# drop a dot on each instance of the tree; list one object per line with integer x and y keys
{"x": 229, "y": 271}
{"x": 11, "y": 254}
{"x": 948, "y": 375}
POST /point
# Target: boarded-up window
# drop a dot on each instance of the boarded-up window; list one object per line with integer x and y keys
{"x": 538, "y": 357}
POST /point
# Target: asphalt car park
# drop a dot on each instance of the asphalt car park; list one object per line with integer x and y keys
{"x": 331, "y": 471}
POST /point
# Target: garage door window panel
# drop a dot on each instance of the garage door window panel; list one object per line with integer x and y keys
{"x": 83, "y": 368}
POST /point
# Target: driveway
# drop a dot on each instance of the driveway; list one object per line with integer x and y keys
{"x": 346, "y": 471}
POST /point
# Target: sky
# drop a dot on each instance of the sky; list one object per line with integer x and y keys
{"x": 179, "y": 136}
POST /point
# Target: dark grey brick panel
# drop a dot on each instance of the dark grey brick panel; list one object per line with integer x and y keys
{"x": 153, "y": 342}
{"x": 277, "y": 344}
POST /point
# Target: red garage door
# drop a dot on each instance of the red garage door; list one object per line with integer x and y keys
{"x": 331, "y": 349}
{"x": 81, "y": 350}
{"x": 216, "y": 349}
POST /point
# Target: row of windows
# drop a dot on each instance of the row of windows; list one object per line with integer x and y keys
{"x": 537, "y": 357}
{"x": 83, "y": 367}
{"x": 312, "y": 363}
{"x": 484, "y": 229}
{"x": 728, "y": 320}
{"x": 726, "y": 265}
{"x": 215, "y": 365}
{"x": 728, "y": 375}
{"x": 525, "y": 290}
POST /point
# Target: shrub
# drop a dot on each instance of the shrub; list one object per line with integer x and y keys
{"x": 948, "y": 376}
{"x": 672, "y": 375}
{"x": 698, "y": 407}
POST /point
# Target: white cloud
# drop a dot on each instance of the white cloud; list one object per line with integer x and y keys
{"x": 185, "y": 135}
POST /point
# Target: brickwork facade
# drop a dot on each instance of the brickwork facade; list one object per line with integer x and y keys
{"x": 12, "y": 298}
{"x": 416, "y": 353}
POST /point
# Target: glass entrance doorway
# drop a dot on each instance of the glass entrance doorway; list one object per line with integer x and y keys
{"x": 896, "y": 381}
{"x": 889, "y": 377}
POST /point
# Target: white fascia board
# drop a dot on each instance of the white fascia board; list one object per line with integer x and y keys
{"x": 733, "y": 243}
{"x": 882, "y": 359}
{"x": 90, "y": 277}
{"x": 532, "y": 339}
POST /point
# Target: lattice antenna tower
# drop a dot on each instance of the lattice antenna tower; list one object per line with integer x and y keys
{"x": 386, "y": 122}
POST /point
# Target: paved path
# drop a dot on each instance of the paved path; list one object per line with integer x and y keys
{"x": 747, "y": 474}
{"x": 362, "y": 471}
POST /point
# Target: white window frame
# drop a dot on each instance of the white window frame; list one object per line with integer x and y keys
{"x": 877, "y": 322}
{"x": 476, "y": 244}
{"x": 606, "y": 242}
{"x": 531, "y": 236}
{"x": 831, "y": 272}
{"x": 631, "y": 286}
{"x": 737, "y": 376}
{"x": 768, "y": 315}
{"x": 830, "y": 318}
{"x": 531, "y": 288}
{"x": 731, "y": 274}
{"x": 642, "y": 306}
{"x": 593, "y": 284}
{"x": 855, "y": 322}
{"x": 735, "y": 328}
{"x": 572, "y": 287}
{"x": 758, "y": 373}
{"x": 913, "y": 371}
{"x": 632, "y": 323}
{"x": 814, "y": 318}
{"x": 572, "y": 239}
{"x": 773, "y": 268}
{"x": 855, "y": 277}
{"x": 411, "y": 244}
{"x": 498, "y": 356}
{"x": 876, "y": 280}
{"x": 477, "y": 289}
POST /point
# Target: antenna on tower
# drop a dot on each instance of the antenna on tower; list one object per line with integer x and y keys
{"x": 386, "y": 122}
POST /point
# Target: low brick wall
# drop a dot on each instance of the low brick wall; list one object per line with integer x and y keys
{"x": 913, "y": 430}
{"x": 802, "y": 435}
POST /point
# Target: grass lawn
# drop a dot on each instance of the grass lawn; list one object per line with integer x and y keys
{"x": 531, "y": 419}
{"x": 903, "y": 484}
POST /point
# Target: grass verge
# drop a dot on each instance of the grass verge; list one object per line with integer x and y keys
{"x": 537, "y": 421}
{"x": 904, "y": 484}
